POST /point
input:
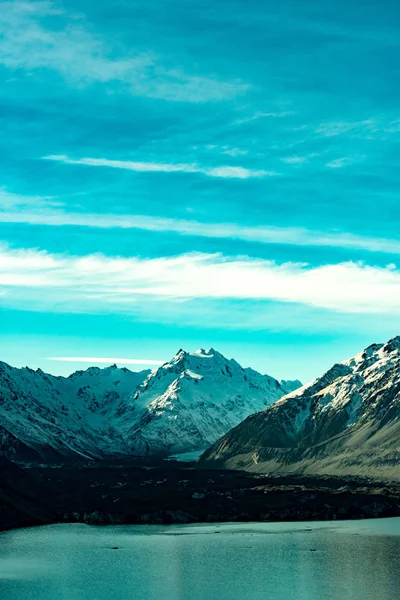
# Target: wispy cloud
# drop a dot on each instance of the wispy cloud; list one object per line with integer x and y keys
{"x": 44, "y": 281}
{"x": 234, "y": 151}
{"x": 71, "y": 49}
{"x": 365, "y": 129}
{"x": 263, "y": 115}
{"x": 223, "y": 171}
{"x": 108, "y": 361}
{"x": 10, "y": 201}
{"x": 336, "y": 128}
{"x": 263, "y": 234}
{"x": 294, "y": 160}
{"x": 344, "y": 161}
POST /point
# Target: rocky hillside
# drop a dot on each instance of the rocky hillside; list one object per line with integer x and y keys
{"x": 47, "y": 417}
{"x": 183, "y": 406}
{"x": 347, "y": 422}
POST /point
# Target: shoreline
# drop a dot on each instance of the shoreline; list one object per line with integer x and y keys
{"x": 339, "y": 525}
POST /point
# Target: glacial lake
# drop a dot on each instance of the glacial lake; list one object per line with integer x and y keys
{"x": 351, "y": 560}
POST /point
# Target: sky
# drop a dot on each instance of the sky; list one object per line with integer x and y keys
{"x": 184, "y": 174}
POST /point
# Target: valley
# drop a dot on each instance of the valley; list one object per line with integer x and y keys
{"x": 154, "y": 491}
{"x": 98, "y": 447}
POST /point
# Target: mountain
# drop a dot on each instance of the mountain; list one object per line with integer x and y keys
{"x": 183, "y": 406}
{"x": 51, "y": 417}
{"x": 192, "y": 400}
{"x": 347, "y": 422}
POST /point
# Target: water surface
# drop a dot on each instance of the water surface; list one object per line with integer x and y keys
{"x": 357, "y": 560}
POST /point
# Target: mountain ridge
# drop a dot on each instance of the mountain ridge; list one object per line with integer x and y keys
{"x": 346, "y": 422}
{"x": 181, "y": 406}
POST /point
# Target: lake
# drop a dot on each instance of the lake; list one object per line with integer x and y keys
{"x": 350, "y": 560}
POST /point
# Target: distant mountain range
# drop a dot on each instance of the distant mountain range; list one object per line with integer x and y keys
{"x": 183, "y": 406}
{"x": 346, "y": 422}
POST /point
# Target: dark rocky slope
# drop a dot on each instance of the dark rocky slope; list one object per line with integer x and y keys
{"x": 22, "y": 498}
{"x": 150, "y": 491}
{"x": 154, "y": 491}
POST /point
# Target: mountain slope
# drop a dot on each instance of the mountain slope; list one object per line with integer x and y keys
{"x": 48, "y": 417}
{"x": 191, "y": 401}
{"x": 184, "y": 405}
{"x": 346, "y": 422}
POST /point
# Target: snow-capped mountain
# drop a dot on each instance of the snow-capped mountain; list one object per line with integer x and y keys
{"x": 184, "y": 405}
{"x": 49, "y": 416}
{"x": 192, "y": 400}
{"x": 345, "y": 422}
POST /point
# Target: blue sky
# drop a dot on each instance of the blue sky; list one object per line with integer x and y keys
{"x": 194, "y": 174}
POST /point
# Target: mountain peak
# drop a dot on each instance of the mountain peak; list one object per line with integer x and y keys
{"x": 392, "y": 345}
{"x": 93, "y": 371}
{"x": 195, "y": 398}
{"x": 209, "y": 353}
{"x": 178, "y": 359}
{"x": 372, "y": 354}
{"x": 182, "y": 357}
{"x": 181, "y": 353}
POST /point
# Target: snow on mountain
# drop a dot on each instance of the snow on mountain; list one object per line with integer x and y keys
{"x": 184, "y": 405}
{"x": 345, "y": 422}
{"x": 189, "y": 402}
{"x": 49, "y": 416}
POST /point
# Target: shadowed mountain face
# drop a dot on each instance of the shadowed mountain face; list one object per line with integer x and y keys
{"x": 347, "y": 422}
{"x": 183, "y": 406}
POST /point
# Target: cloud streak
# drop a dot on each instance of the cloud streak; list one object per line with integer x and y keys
{"x": 44, "y": 281}
{"x": 72, "y": 50}
{"x": 344, "y": 161}
{"x": 108, "y": 361}
{"x": 224, "y": 171}
{"x": 14, "y": 211}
